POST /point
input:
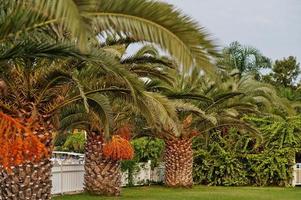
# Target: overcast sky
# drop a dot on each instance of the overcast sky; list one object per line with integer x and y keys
{"x": 272, "y": 26}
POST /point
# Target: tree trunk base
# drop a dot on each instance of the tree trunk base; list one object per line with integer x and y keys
{"x": 178, "y": 162}
{"x": 27, "y": 182}
{"x": 102, "y": 176}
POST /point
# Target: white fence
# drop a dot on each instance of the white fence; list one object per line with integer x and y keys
{"x": 68, "y": 174}
{"x": 67, "y": 178}
{"x": 297, "y": 175}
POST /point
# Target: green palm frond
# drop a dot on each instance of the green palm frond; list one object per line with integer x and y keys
{"x": 169, "y": 28}
{"x": 189, "y": 96}
{"x": 100, "y": 114}
{"x": 163, "y": 111}
{"x": 44, "y": 49}
{"x": 147, "y": 50}
{"x": 221, "y": 98}
{"x": 190, "y": 108}
{"x": 101, "y": 106}
{"x": 117, "y": 39}
{"x": 72, "y": 116}
{"x": 22, "y": 17}
{"x": 111, "y": 66}
{"x": 150, "y": 71}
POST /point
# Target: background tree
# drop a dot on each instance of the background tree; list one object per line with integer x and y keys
{"x": 284, "y": 72}
{"x": 246, "y": 59}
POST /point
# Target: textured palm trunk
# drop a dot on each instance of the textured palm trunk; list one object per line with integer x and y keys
{"x": 178, "y": 162}
{"x": 29, "y": 181}
{"x": 102, "y": 176}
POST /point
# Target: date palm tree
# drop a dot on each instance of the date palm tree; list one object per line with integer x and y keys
{"x": 102, "y": 174}
{"x": 32, "y": 91}
{"x": 214, "y": 104}
{"x": 245, "y": 59}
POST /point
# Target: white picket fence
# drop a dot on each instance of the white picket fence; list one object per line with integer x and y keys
{"x": 68, "y": 174}
{"x": 297, "y": 175}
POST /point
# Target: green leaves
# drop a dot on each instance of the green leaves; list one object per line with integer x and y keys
{"x": 159, "y": 23}
{"x": 279, "y": 132}
{"x": 40, "y": 49}
{"x": 101, "y": 106}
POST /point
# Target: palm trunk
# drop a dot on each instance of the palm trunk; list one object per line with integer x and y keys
{"x": 29, "y": 181}
{"x": 102, "y": 176}
{"x": 178, "y": 162}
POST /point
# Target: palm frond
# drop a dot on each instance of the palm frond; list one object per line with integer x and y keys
{"x": 102, "y": 107}
{"x": 24, "y": 16}
{"x": 169, "y": 28}
{"x": 44, "y": 49}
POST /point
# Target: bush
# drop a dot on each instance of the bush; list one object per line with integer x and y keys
{"x": 223, "y": 168}
{"x": 145, "y": 149}
{"x": 224, "y": 159}
{"x": 75, "y": 142}
{"x": 271, "y": 167}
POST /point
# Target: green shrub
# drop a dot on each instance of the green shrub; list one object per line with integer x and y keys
{"x": 75, "y": 142}
{"x": 271, "y": 167}
{"x": 232, "y": 159}
{"x": 223, "y": 168}
{"x": 145, "y": 149}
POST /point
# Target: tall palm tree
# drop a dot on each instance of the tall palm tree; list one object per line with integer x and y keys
{"x": 245, "y": 59}
{"x": 32, "y": 93}
{"x": 214, "y": 104}
{"x": 26, "y": 38}
{"x": 102, "y": 174}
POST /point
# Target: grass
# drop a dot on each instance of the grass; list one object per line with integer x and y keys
{"x": 198, "y": 193}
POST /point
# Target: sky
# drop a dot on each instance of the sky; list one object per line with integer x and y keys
{"x": 272, "y": 26}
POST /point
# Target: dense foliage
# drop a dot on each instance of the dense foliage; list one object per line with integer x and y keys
{"x": 226, "y": 168}
{"x": 236, "y": 157}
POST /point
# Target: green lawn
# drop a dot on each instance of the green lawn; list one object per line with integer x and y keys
{"x": 199, "y": 193}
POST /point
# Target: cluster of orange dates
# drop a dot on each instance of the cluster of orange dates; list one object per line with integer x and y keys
{"x": 119, "y": 148}
{"x": 18, "y": 144}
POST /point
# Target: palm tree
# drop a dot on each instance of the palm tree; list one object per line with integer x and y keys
{"x": 26, "y": 38}
{"x": 214, "y": 104}
{"x": 245, "y": 59}
{"x": 32, "y": 94}
{"x": 122, "y": 96}
{"x": 102, "y": 174}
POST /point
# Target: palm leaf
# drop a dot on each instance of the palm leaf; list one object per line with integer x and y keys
{"x": 169, "y": 28}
